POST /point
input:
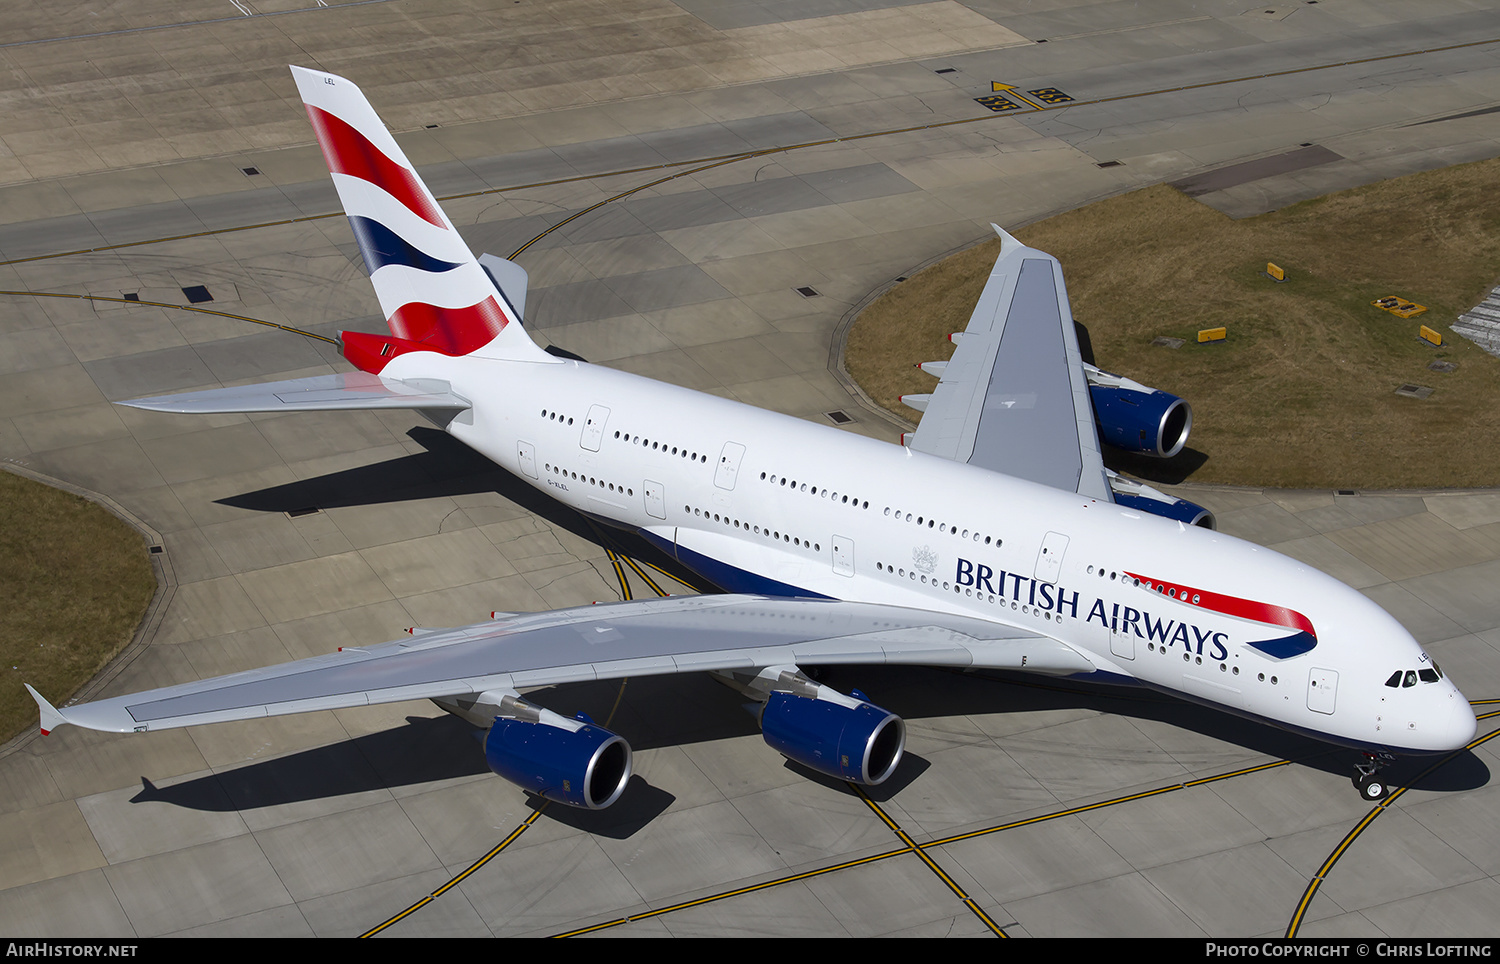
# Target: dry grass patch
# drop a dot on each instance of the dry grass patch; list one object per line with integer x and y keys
{"x": 1301, "y": 395}
{"x": 74, "y": 585}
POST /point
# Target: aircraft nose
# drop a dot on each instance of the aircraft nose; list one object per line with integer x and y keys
{"x": 1457, "y": 723}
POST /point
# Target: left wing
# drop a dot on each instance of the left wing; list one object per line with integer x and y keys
{"x": 651, "y": 637}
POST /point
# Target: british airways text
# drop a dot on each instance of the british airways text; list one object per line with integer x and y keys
{"x": 1120, "y": 619}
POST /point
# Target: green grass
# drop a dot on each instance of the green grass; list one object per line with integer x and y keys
{"x": 1301, "y": 393}
{"x": 74, "y": 585}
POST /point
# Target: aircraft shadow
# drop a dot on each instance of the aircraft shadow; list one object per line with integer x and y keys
{"x": 447, "y": 467}
{"x": 1173, "y": 471}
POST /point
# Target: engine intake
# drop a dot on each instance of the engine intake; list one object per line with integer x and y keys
{"x": 836, "y": 735}
{"x": 586, "y": 767}
{"x": 1150, "y": 422}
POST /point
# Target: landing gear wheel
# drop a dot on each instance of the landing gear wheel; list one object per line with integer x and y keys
{"x": 1371, "y": 787}
{"x": 1367, "y": 777}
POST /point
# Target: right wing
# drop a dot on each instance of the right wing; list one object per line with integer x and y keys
{"x": 645, "y": 638}
{"x": 1014, "y": 397}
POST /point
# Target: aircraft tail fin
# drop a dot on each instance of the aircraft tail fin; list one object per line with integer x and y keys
{"x": 432, "y": 290}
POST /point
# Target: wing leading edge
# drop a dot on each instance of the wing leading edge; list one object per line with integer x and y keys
{"x": 1014, "y": 397}
{"x": 654, "y": 637}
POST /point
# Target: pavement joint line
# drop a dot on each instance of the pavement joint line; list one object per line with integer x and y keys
{"x": 1300, "y": 913}
{"x": 494, "y": 852}
{"x": 729, "y": 158}
{"x": 932, "y": 865}
{"x": 752, "y": 888}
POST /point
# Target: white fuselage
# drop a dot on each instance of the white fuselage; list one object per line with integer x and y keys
{"x": 761, "y": 502}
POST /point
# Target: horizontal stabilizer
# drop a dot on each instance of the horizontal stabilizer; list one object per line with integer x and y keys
{"x": 321, "y": 393}
{"x": 51, "y": 719}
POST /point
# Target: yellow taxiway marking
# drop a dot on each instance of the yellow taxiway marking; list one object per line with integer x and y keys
{"x": 931, "y": 864}
{"x": 912, "y": 847}
{"x": 1300, "y": 913}
{"x": 1009, "y": 90}
{"x": 456, "y": 880}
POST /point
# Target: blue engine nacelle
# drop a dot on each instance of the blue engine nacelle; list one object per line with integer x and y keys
{"x": 1150, "y": 422}
{"x": 1181, "y": 510}
{"x": 860, "y": 743}
{"x": 587, "y": 767}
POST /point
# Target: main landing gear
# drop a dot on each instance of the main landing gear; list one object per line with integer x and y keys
{"x": 1367, "y": 778}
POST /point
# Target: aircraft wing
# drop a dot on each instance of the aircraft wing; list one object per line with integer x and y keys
{"x": 644, "y": 638}
{"x": 1014, "y": 397}
{"x": 320, "y": 393}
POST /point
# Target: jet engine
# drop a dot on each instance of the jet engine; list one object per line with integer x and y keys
{"x": 1143, "y": 498}
{"x": 571, "y": 761}
{"x": 1136, "y": 418}
{"x": 1180, "y": 510}
{"x": 841, "y": 736}
{"x": 1151, "y": 423}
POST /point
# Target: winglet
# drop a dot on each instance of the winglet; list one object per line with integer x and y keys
{"x": 1008, "y": 241}
{"x": 51, "y": 719}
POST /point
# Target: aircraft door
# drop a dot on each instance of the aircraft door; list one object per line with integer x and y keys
{"x": 526, "y": 455}
{"x": 593, "y": 427}
{"x": 1049, "y": 560}
{"x": 1322, "y": 689}
{"x": 729, "y": 465}
{"x": 843, "y": 556}
{"x": 656, "y": 503}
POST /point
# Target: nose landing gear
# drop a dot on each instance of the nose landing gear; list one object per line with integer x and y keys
{"x": 1367, "y": 777}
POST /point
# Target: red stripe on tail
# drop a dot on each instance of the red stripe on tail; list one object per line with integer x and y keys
{"x": 347, "y": 151}
{"x": 453, "y": 331}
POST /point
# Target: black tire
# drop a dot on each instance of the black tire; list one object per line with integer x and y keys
{"x": 1372, "y": 788}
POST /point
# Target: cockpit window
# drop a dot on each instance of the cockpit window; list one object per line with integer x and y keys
{"x": 1408, "y": 677}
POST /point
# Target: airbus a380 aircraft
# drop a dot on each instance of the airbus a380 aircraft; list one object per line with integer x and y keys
{"x": 994, "y": 539}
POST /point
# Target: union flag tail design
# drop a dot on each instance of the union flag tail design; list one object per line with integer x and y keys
{"x": 435, "y": 295}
